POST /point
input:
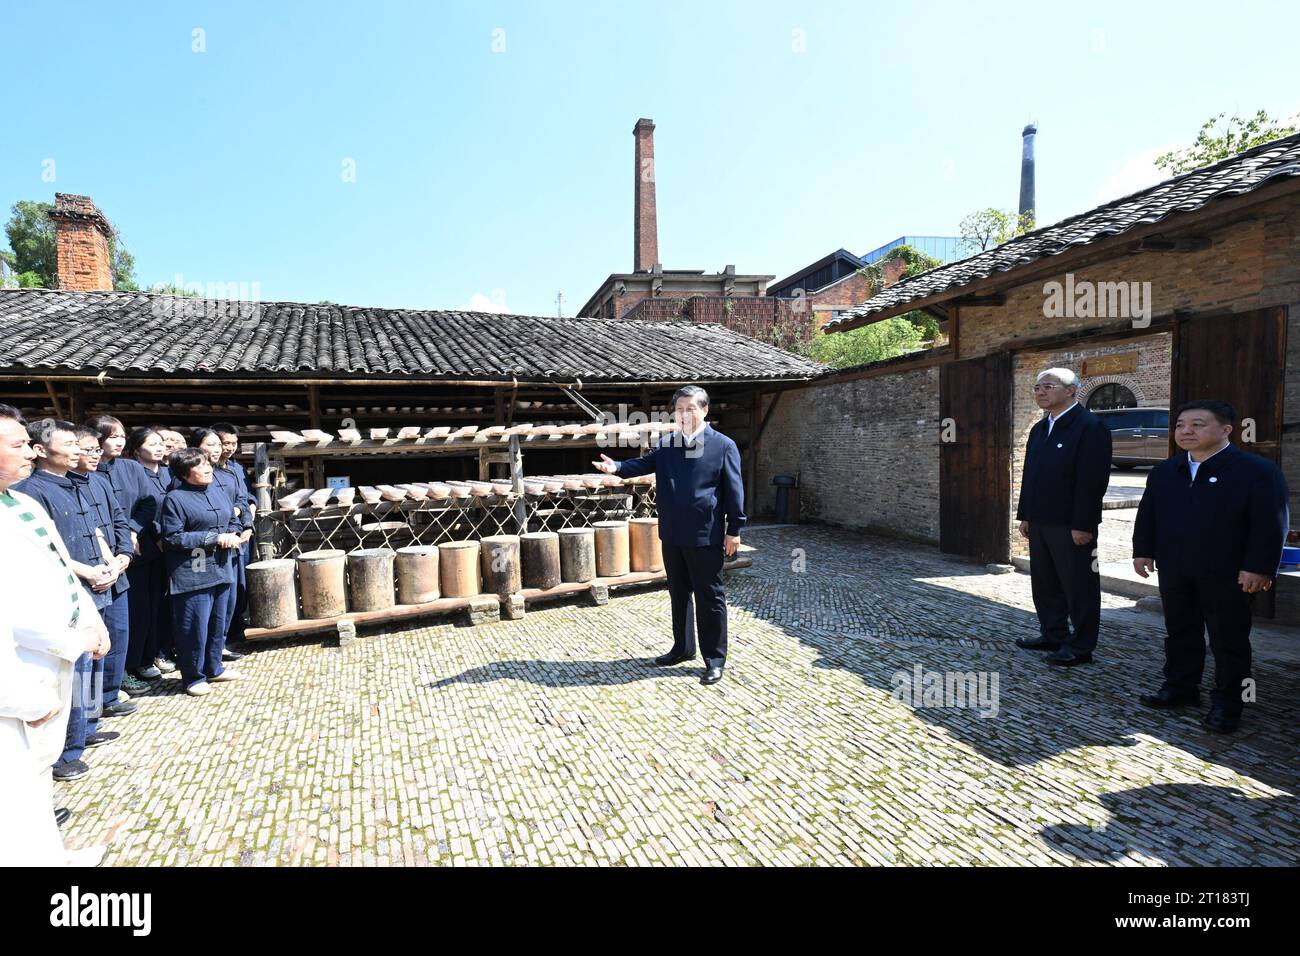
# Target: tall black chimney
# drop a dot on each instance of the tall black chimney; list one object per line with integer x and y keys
{"x": 1027, "y": 172}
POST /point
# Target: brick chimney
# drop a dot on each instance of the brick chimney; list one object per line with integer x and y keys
{"x": 645, "y": 252}
{"x": 1027, "y": 201}
{"x": 83, "y": 234}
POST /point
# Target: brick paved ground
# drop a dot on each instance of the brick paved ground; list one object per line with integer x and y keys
{"x": 547, "y": 740}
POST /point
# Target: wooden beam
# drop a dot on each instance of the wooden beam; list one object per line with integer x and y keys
{"x": 1097, "y": 334}
{"x": 54, "y": 399}
{"x": 1161, "y": 244}
{"x": 991, "y": 300}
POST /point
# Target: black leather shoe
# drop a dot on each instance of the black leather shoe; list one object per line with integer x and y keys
{"x": 70, "y": 769}
{"x": 1064, "y": 658}
{"x": 1221, "y": 720}
{"x": 228, "y": 655}
{"x": 1037, "y": 644}
{"x": 62, "y": 815}
{"x": 667, "y": 660}
{"x": 712, "y": 674}
{"x": 1167, "y": 697}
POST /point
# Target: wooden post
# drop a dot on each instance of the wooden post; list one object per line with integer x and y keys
{"x": 54, "y": 399}
{"x": 262, "y": 489}
{"x": 517, "y": 485}
{"x": 76, "y": 403}
{"x": 316, "y": 474}
{"x": 751, "y": 450}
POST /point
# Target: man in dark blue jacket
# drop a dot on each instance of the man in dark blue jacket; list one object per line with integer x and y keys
{"x": 98, "y": 558}
{"x": 1212, "y": 521}
{"x": 1067, "y": 469}
{"x": 701, "y": 504}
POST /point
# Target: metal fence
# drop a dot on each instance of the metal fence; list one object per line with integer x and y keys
{"x": 398, "y": 524}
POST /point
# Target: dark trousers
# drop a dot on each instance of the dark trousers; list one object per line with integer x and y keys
{"x": 1192, "y": 606}
{"x": 117, "y": 618}
{"x": 84, "y": 707}
{"x": 696, "y": 573}
{"x": 1066, "y": 588}
{"x": 199, "y": 620}
{"x": 239, "y": 603}
{"x": 148, "y": 592}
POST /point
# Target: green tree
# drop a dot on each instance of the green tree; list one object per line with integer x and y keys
{"x": 1220, "y": 138}
{"x": 988, "y": 228}
{"x": 33, "y": 249}
{"x": 914, "y": 263}
{"x": 870, "y": 343}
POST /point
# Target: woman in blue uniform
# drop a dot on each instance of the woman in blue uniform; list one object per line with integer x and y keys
{"x": 147, "y": 574}
{"x": 126, "y": 477}
{"x": 208, "y": 441}
{"x": 200, "y": 536}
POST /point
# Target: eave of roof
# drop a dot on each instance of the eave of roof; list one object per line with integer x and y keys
{"x": 138, "y": 336}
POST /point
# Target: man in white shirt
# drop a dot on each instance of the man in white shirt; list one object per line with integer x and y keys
{"x": 47, "y": 621}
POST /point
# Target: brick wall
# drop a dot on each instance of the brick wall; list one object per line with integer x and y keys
{"x": 778, "y": 321}
{"x": 1249, "y": 265}
{"x": 865, "y": 451}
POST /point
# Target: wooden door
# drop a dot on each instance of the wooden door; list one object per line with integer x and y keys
{"x": 975, "y": 466}
{"x": 1241, "y": 359}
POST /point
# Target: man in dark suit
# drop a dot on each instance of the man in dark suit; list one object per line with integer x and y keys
{"x": 701, "y": 504}
{"x": 1212, "y": 520}
{"x": 1067, "y": 469}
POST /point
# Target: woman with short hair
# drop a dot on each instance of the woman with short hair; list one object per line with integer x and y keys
{"x": 200, "y": 536}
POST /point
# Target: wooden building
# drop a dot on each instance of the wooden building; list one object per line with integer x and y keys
{"x": 268, "y": 366}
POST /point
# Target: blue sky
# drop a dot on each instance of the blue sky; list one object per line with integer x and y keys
{"x": 492, "y": 142}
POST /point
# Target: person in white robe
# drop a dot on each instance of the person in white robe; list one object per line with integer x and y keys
{"x": 47, "y": 621}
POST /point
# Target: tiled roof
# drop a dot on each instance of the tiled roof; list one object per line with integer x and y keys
{"x": 147, "y": 334}
{"x": 1243, "y": 173}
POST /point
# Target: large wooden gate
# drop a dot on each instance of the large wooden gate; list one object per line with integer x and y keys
{"x": 1240, "y": 358}
{"x": 975, "y": 458}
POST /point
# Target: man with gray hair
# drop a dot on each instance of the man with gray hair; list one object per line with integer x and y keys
{"x": 1067, "y": 469}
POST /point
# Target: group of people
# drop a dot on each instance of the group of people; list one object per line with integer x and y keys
{"x": 145, "y": 536}
{"x": 1212, "y": 523}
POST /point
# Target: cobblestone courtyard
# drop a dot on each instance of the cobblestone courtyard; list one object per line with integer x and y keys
{"x": 548, "y": 741}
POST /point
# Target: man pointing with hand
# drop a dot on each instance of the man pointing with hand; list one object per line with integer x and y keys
{"x": 701, "y": 504}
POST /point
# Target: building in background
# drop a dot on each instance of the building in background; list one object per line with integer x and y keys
{"x": 650, "y": 292}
